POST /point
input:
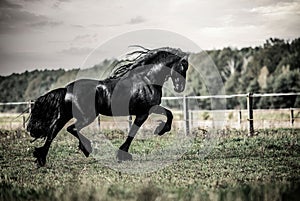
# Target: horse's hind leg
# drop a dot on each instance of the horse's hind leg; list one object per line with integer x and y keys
{"x": 40, "y": 153}
{"x": 84, "y": 143}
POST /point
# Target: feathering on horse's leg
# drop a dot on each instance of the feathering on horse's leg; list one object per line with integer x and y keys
{"x": 163, "y": 127}
{"x": 122, "y": 154}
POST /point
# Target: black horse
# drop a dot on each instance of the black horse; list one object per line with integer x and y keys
{"x": 134, "y": 88}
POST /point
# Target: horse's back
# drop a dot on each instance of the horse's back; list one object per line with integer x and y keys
{"x": 82, "y": 83}
{"x": 112, "y": 97}
{"x": 81, "y": 95}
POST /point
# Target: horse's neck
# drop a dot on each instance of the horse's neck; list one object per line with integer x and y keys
{"x": 158, "y": 73}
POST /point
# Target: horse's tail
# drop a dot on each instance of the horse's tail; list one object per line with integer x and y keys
{"x": 46, "y": 109}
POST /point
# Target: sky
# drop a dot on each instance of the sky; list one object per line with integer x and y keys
{"x": 52, "y": 34}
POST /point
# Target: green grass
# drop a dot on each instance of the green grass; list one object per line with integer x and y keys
{"x": 236, "y": 167}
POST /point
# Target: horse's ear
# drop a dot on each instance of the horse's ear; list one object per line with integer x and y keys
{"x": 185, "y": 57}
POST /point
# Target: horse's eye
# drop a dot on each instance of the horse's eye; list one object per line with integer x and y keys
{"x": 184, "y": 63}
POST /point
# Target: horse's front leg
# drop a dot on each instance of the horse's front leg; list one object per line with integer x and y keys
{"x": 84, "y": 144}
{"x": 122, "y": 154}
{"x": 163, "y": 127}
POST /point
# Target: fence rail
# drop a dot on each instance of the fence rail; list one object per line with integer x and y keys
{"x": 187, "y": 114}
{"x": 249, "y": 97}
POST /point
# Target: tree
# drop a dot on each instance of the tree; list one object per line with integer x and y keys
{"x": 254, "y": 88}
{"x": 286, "y": 83}
{"x": 231, "y": 87}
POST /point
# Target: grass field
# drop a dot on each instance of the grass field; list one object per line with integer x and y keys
{"x": 263, "y": 167}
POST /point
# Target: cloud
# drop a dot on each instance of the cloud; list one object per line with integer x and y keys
{"x": 86, "y": 38}
{"x": 31, "y": 0}
{"x": 262, "y": 3}
{"x": 137, "y": 20}
{"x": 17, "y": 21}
{"x": 57, "y": 4}
{"x": 77, "y": 26}
{"x": 81, "y": 37}
{"x": 77, "y": 51}
{"x": 7, "y": 4}
{"x": 12, "y": 20}
{"x": 280, "y": 8}
{"x": 105, "y": 25}
{"x": 46, "y": 23}
{"x": 281, "y": 19}
{"x": 71, "y": 25}
{"x": 16, "y": 16}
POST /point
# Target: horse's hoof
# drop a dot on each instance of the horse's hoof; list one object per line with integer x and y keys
{"x": 86, "y": 149}
{"x": 39, "y": 154}
{"x": 40, "y": 162}
{"x": 123, "y": 156}
{"x": 162, "y": 128}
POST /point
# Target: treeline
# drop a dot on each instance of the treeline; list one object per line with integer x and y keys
{"x": 273, "y": 67}
{"x": 270, "y": 68}
{"x": 30, "y": 85}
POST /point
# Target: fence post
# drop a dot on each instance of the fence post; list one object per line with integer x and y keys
{"x": 250, "y": 114}
{"x": 191, "y": 116}
{"x": 99, "y": 127}
{"x": 240, "y": 118}
{"x": 186, "y": 115}
{"x": 292, "y": 117}
{"x": 29, "y": 106}
{"x": 24, "y": 120}
{"x": 129, "y": 122}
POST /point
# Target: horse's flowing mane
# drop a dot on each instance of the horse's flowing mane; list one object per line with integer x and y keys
{"x": 143, "y": 57}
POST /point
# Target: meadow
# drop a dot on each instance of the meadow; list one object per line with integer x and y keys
{"x": 237, "y": 167}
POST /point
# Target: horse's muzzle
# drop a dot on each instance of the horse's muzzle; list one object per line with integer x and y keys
{"x": 179, "y": 88}
{"x": 179, "y": 84}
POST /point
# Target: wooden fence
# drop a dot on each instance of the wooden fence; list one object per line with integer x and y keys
{"x": 249, "y": 96}
{"x": 187, "y": 113}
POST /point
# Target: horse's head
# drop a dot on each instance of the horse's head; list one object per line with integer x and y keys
{"x": 178, "y": 74}
{"x": 175, "y": 61}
